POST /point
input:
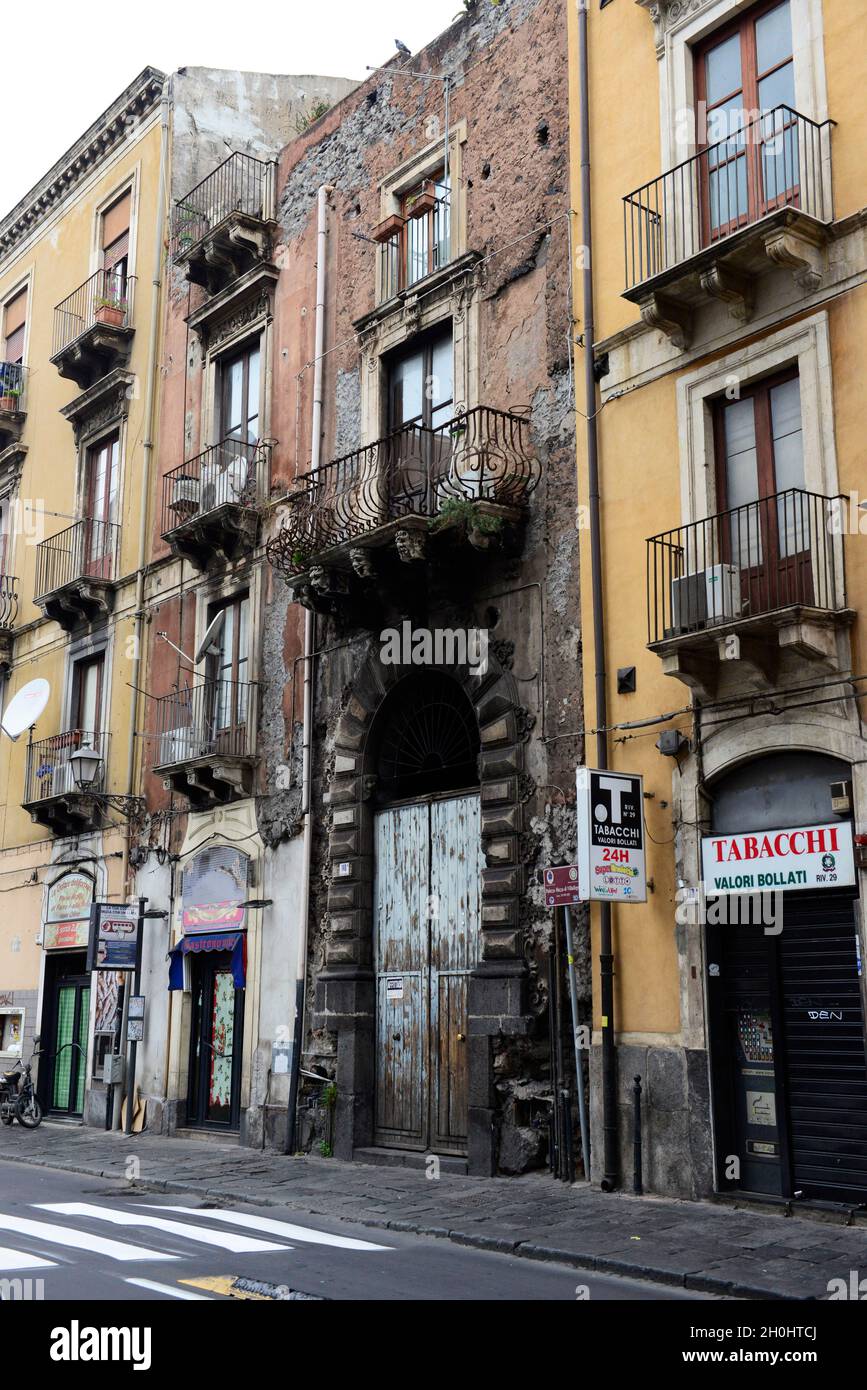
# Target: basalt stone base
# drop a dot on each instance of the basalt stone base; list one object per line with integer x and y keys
{"x": 677, "y": 1158}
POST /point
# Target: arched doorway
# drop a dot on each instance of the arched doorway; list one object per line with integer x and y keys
{"x": 424, "y": 745}
{"x": 784, "y": 983}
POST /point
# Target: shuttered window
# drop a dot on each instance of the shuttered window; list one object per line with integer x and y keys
{"x": 14, "y": 325}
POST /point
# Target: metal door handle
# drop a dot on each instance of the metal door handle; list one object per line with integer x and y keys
{"x": 462, "y": 1037}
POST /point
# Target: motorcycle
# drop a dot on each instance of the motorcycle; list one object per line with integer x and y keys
{"x": 18, "y": 1099}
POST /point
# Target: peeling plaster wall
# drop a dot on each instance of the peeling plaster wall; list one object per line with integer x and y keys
{"x": 511, "y": 93}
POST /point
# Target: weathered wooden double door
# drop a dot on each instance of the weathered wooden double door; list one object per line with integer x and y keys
{"x": 426, "y": 942}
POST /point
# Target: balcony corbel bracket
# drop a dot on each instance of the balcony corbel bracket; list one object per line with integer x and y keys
{"x": 799, "y": 253}
{"x": 361, "y": 561}
{"x": 735, "y": 290}
{"x": 753, "y": 654}
{"x": 697, "y": 671}
{"x": 410, "y": 545}
{"x": 670, "y": 318}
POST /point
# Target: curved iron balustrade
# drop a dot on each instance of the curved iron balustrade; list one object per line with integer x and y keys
{"x": 481, "y": 455}
{"x": 8, "y": 601}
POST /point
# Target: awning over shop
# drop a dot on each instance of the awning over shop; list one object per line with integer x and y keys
{"x": 234, "y": 941}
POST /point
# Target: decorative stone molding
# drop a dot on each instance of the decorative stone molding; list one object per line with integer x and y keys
{"x": 734, "y": 289}
{"x": 802, "y": 254}
{"x": 674, "y": 320}
{"x": 233, "y": 311}
{"x": 103, "y": 405}
{"x": 96, "y": 145}
{"x": 410, "y": 545}
{"x": 666, "y": 14}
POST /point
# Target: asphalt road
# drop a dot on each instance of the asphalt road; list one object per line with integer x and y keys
{"x": 97, "y": 1239}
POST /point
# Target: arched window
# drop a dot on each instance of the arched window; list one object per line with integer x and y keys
{"x": 425, "y": 739}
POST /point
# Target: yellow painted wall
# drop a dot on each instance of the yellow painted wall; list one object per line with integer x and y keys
{"x": 640, "y": 456}
{"x": 58, "y": 258}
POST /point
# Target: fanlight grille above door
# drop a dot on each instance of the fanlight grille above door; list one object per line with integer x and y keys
{"x": 427, "y": 739}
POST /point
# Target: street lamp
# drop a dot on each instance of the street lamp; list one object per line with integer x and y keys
{"x": 86, "y": 766}
{"x": 85, "y": 763}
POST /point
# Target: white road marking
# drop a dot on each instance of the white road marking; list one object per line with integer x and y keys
{"x": 239, "y": 1245}
{"x": 276, "y": 1228}
{"x": 19, "y": 1259}
{"x": 170, "y": 1290}
{"x": 78, "y": 1240}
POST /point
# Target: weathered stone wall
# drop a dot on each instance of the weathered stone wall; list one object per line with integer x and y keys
{"x": 510, "y": 92}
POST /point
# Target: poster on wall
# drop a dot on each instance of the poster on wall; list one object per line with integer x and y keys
{"x": 812, "y": 856}
{"x": 114, "y": 934}
{"x": 215, "y": 890}
{"x": 67, "y": 912}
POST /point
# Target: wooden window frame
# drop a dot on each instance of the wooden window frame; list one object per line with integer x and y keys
{"x": 758, "y": 205}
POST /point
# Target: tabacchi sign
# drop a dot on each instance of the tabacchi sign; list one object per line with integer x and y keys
{"x": 812, "y": 856}
{"x": 610, "y": 814}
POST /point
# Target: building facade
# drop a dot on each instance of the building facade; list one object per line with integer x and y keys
{"x": 730, "y": 196}
{"x": 82, "y": 366}
{"x": 362, "y": 745}
{"x": 78, "y": 303}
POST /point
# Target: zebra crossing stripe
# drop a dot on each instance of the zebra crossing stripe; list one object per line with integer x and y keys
{"x": 225, "y": 1240}
{"x": 19, "y": 1259}
{"x": 170, "y": 1290}
{"x": 287, "y": 1229}
{"x": 51, "y": 1234}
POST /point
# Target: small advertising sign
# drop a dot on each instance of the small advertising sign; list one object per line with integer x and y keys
{"x": 610, "y": 814}
{"x": 561, "y": 886}
{"x": 67, "y": 913}
{"x": 767, "y": 861}
{"x": 114, "y": 929}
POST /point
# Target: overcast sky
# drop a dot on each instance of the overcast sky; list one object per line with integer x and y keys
{"x": 71, "y": 61}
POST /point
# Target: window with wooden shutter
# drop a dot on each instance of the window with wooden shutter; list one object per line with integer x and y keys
{"x": 115, "y": 246}
{"x": 14, "y": 326}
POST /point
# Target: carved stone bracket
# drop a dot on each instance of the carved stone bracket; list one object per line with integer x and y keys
{"x": 735, "y": 290}
{"x": 672, "y": 319}
{"x": 410, "y": 545}
{"x": 800, "y": 253}
{"x": 362, "y": 562}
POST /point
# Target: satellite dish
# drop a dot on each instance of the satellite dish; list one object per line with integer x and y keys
{"x": 25, "y": 708}
{"x": 212, "y": 636}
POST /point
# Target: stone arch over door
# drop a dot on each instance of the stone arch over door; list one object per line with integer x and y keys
{"x": 344, "y": 988}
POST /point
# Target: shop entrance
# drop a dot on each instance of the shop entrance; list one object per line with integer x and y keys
{"x": 785, "y": 1001}
{"x": 216, "y": 1036}
{"x": 63, "y": 1038}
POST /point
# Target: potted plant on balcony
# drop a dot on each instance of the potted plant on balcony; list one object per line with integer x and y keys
{"x": 186, "y": 496}
{"x": 110, "y": 310}
{"x": 10, "y": 397}
{"x": 462, "y": 513}
{"x": 422, "y": 202}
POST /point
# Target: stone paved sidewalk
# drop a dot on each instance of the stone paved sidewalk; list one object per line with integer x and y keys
{"x": 697, "y": 1245}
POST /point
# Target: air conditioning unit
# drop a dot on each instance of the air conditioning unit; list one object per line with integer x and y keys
{"x": 706, "y": 598}
{"x": 176, "y": 746}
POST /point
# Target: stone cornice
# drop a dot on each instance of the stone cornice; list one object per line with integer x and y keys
{"x": 90, "y": 150}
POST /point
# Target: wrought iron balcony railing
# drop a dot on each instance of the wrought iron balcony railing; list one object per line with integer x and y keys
{"x": 86, "y": 550}
{"x": 48, "y": 770}
{"x": 778, "y": 159}
{"x": 232, "y": 473}
{"x": 13, "y": 387}
{"x": 482, "y": 455}
{"x": 8, "y": 601}
{"x": 215, "y": 718}
{"x": 241, "y": 184}
{"x": 105, "y": 298}
{"x": 779, "y": 552}
{"x": 417, "y": 246}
